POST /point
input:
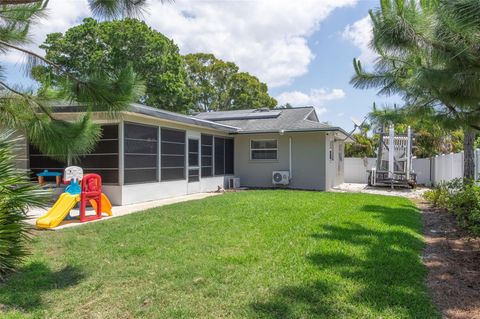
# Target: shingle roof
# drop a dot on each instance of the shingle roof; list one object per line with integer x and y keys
{"x": 172, "y": 116}
{"x": 300, "y": 119}
{"x": 66, "y": 107}
{"x": 294, "y": 119}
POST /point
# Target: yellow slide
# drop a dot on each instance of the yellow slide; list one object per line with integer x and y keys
{"x": 106, "y": 205}
{"x": 59, "y": 211}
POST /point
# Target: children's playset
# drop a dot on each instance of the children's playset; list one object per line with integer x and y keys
{"x": 83, "y": 189}
{"x": 394, "y": 160}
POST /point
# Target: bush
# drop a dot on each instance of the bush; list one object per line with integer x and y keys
{"x": 465, "y": 204}
{"x": 17, "y": 194}
{"x": 438, "y": 196}
{"x": 461, "y": 197}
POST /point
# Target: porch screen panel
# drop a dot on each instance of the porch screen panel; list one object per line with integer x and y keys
{"x": 40, "y": 162}
{"x": 223, "y": 156}
{"x": 228, "y": 156}
{"x": 207, "y": 155}
{"x": 141, "y": 155}
{"x": 173, "y": 154}
{"x": 219, "y": 156}
{"x": 103, "y": 160}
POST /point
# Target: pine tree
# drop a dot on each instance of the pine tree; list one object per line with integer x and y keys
{"x": 33, "y": 114}
{"x": 428, "y": 54}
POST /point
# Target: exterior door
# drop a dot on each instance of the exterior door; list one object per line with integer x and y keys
{"x": 193, "y": 173}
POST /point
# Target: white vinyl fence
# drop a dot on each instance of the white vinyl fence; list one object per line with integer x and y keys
{"x": 430, "y": 171}
{"x": 355, "y": 169}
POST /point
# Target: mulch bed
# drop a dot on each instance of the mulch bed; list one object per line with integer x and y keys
{"x": 452, "y": 256}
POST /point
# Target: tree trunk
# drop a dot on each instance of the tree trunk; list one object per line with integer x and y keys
{"x": 469, "y": 153}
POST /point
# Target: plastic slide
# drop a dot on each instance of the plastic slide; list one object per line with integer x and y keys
{"x": 58, "y": 211}
{"x": 106, "y": 205}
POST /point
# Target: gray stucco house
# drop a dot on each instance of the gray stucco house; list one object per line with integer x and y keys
{"x": 148, "y": 154}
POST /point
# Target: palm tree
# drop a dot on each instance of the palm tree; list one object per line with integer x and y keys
{"x": 428, "y": 54}
{"x": 17, "y": 194}
{"x": 33, "y": 114}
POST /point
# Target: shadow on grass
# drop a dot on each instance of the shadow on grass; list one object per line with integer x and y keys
{"x": 386, "y": 277}
{"x": 289, "y": 300}
{"x": 405, "y": 215}
{"x": 24, "y": 289}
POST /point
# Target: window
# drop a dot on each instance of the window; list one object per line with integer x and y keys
{"x": 207, "y": 155}
{"x": 263, "y": 149}
{"x": 141, "y": 154}
{"x": 223, "y": 156}
{"x": 173, "y": 154}
{"x": 193, "y": 170}
{"x": 331, "y": 150}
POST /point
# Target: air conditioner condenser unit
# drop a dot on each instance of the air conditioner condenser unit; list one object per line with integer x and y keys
{"x": 280, "y": 177}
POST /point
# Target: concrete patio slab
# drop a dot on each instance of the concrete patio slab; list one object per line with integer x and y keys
{"x": 364, "y": 188}
{"x": 117, "y": 211}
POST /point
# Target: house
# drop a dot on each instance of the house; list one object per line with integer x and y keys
{"x": 149, "y": 154}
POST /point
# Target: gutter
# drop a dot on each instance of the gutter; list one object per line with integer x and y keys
{"x": 329, "y": 129}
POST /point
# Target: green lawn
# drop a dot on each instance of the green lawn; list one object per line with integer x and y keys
{"x": 268, "y": 254}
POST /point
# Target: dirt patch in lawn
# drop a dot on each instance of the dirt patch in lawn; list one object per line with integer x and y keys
{"x": 452, "y": 257}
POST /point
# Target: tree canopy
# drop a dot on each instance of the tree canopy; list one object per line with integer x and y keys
{"x": 428, "y": 54}
{"x": 106, "y": 46}
{"x": 32, "y": 113}
{"x": 218, "y": 85}
{"x": 431, "y": 138}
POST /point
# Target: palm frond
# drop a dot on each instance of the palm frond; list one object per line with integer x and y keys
{"x": 115, "y": 9}
{"x": 17, "y": 195}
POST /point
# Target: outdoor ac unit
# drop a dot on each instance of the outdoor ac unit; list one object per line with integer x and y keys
{"x": 233, "y": 182}
{"x": 281, "y": 177}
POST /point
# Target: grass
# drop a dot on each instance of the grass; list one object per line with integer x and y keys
{"x": 255, "y": 254}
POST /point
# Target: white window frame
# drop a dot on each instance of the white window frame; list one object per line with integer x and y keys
{"x": 264, "y": 149}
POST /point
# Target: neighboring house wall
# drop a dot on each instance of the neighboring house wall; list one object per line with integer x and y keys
{"x": 308, "y": 160}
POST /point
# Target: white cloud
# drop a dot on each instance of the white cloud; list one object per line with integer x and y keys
{"x": 316, "y": 98}
{"x": 360, "y": 34}
{"x": 265, "y": 37}
{"x": 61, "y": 15}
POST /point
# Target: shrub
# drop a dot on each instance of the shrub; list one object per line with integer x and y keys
{"x": 17, "y": 194}
{"x": 465, "y": 204}
{"x": 461, "y": 197}
{"x": 438, "y": 196}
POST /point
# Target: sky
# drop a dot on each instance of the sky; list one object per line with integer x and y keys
{"x": 302, "y": 49}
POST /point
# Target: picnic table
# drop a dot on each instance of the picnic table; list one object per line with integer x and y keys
{"x": 41, "y": 177}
